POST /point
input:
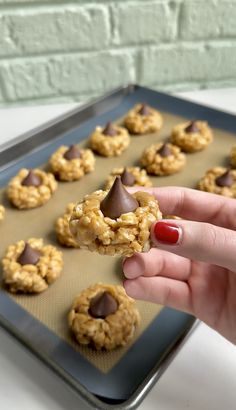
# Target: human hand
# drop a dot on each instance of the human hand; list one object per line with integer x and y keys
{"x": 193, "y": 268}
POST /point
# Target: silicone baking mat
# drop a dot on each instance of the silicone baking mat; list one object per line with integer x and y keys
{"x": 42, "y": 324}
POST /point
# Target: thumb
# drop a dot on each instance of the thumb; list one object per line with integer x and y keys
{"x": 196, "y": 240}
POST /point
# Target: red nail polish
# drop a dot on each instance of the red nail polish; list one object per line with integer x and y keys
{"x": 166, "y": 233}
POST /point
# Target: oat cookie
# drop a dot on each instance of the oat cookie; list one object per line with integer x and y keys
{"x": 63, "y": 232}
{"x": 103, "y": 317}
{"x": 115, "y": 222}
{"x": 130, "y": 176}
{"x": 31, "y": 188}
{"x": 2, "y": 212}
{"x": 110, "y": 141}
{"x": 163, "y": 159}
{"x": 71, "y": 163}
{"x": 192, "y": 136}
{"x": 233, "y": 156}
{"x": 219, "y": 180}
{"x": 143, "y": 119}
{"x": 30, "y": 267}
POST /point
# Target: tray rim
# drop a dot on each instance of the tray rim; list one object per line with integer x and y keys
{"x": 7, "y": 148}
{"x": 21, "y": 140}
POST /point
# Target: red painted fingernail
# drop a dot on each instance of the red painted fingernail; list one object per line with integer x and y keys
{"x": 167, "y": 233}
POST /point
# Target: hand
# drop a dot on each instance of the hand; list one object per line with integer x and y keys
{"x": 193, "y": 267}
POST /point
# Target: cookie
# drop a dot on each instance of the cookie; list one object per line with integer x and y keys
{"x": 110, "y": 141}
{"x": 115, "y": 222}
{"x": 2, "y": 212}
{"x": 31, "y": 188}
{"x": 130, "y": 176}
{"x": 71, "y": 163}
{"x": 103, "y": 317}
{"x": 219, "y": 180}
{"x": 192, "y": 136}
{"x": 30, "y": 267}
{"x": 163, "y": 159}
{"x": 143, "y": 119}
{"x": 63, "y": 232}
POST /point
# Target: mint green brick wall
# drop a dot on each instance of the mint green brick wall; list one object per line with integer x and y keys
{"x": 74, "y": 50}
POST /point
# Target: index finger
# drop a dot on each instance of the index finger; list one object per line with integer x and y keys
{"x": 194, "y": 205}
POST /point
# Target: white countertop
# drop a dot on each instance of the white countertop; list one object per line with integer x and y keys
{"x": 203, "y": 374}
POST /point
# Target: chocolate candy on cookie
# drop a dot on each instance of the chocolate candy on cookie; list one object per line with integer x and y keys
{"x": 71, "y": 163}
{"x": 109, "y": 141}
{"x": 192, "y": 136}
{"x": 219, "y": 180}
{"x": 143, "y": 119}
{"x": 31, "y": 188}
{"x": 115, "y": 222}
{"x": 163, "y": 159}
{"x": 130, "y": 176}
{"x": 103, "y": 317}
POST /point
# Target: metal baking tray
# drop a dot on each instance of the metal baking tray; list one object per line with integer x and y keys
{"x": 125, "y": 385}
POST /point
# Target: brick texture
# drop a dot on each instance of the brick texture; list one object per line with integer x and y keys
{"x": 186, "y": 63}
{"x": 64, "y": 75}
{"x": 74, "y": 50}
{"x": 208, "y": 19}
{"x": 144, "y": 22}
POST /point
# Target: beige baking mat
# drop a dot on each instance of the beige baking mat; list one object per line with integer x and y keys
{"x": 82, "y": 268}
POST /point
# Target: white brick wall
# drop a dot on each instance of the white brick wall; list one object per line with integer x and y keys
{"x": 72, "y": 50}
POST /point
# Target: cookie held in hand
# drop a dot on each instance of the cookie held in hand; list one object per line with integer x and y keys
{"x": 115, "y": 222}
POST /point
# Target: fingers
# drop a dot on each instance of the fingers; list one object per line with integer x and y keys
{"x": 197, "y": 241}
{"x": 156, "y": 262}
{"x": 165, "y": 291}
{"x": 191, "y": 204}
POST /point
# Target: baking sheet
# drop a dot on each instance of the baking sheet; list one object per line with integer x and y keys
{"x": 81, "y": 267}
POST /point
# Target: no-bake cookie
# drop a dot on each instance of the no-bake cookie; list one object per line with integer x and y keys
{"x": 110, "y": 141}
{"x": 192, "y": 136}
{"x": 103, "y": 317}
{"x": 163, "y": 159}
{"x": 130, "y": 176}
{"x": 115, "y": 222}
{"x": 143, "y": 119}
{"x": 219, "y": 180}
{"x": 31, "y": 188}
{"x": 30, "y": 267}
{"x": 71, "y": 163}
{"x": 63, "y": 232}
{"x": 2, "y": 212}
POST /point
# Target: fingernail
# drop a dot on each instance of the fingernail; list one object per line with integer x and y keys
{"x": 167, "y": 233}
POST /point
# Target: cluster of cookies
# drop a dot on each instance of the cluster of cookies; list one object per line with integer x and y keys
{"x": 110, "y": 221}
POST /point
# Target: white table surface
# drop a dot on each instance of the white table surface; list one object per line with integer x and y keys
{"x": 203, "y": 374}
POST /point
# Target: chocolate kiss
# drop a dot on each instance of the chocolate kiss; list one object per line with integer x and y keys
{"x": 118, "y": 201}
{"x": 29, "y": 256}
{"x": 144, "y": 110}
{"x": 72, "y": 153}
{"x": 31, "y": 179}
{"x": 225, "y": 179}
{"x": 192, "y": 127}
{"x": 103, "y": 305}
{"x": 109, "y": 130}
{"x": 127, "y": 178}
{"x": 164, "y": 151}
